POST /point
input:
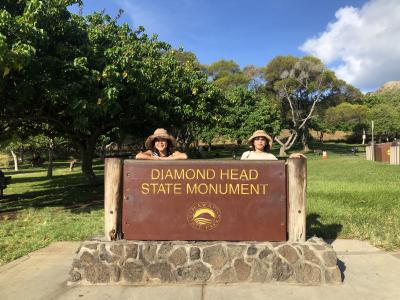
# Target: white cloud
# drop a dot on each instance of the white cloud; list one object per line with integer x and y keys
{"x": 362, "y": 45}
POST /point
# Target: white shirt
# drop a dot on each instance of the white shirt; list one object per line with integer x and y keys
{"x": 252, "y": 155}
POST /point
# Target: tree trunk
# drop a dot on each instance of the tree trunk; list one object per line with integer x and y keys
{"x": 306, "y": 148}
{"x": 304, "y": 140}
{"x": 21, "y": 156}
{"x": 103, "y": 152}
{"x": 282, "y": 151}
{"x": 287, "y": 145}
{"x": 87, "y": 148}
{"x": 72, "y": 164}
{"x": 51, "y": 155}
{"x": 87, "y": 165}
{"x": 15, "y": 160}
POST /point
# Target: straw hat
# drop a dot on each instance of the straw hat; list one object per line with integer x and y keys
{"x": 159, "y": 133}
{"x": 262, "y": 133}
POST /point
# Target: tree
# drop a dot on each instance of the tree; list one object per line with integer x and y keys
{"x": 34, "y": 139}
{"x": 245, "y": 112}
{"x": 222, "y": 67}
{"x": 302, "y": 83}
{"x": 318, "y": 123}
{"x": 347, "y": 117}
{"x": 383, "y": 97}
{"x": 226, "y": 74}
{"x": 87, "y": 75}
{"x": 193, "y": 100}
{"x": 386, "y": 119}
{"x": 342, "y": 92}
{"x": 187, "y": 57}
{"x": 384, "y": 110}
{"x": 255, "y": 76}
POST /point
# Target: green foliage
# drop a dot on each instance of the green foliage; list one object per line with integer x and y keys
{"x": 186, "y": 58}
{"x": 222, "y": 67}
{"x": 301, "y": 84}
{"x": 384, "y": 111}
{"x": 386, "y": 119}
{"x": 386, "y": 97}
{"x": 255, "y": 76}
{"x": 273, "y": 71}
{"x": 4, "y": 160}
{"x": 245, "y": 111}
{"x": 346, "y": 117}
{"x": 227, "y": 81}
{"x": 226, "y": 74}
{"x": 87, "y": 75}
{"x": 265, "y": 115}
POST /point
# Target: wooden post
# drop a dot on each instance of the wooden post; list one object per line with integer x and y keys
{"x": 297, "y": 196}
{"x": 112, "y": 198}
{"x": 395, "y": 153}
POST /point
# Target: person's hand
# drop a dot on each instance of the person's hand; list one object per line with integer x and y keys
{"x": 297, "y": 155}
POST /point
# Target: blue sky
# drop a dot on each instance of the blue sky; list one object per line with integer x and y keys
{"x": 255, "y": 31}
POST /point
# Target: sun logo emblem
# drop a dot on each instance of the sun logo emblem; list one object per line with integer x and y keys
{"x": 204, "y": 216}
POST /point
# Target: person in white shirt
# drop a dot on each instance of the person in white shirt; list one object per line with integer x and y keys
{"x": 161, "y": 146}
{"x": 260, "y": 143}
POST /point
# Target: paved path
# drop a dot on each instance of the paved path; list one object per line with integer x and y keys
{"x": 369, "y": 273}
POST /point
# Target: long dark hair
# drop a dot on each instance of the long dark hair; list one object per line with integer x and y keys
{"x": 170, "y": 148}
{"x": 266, "y": 147}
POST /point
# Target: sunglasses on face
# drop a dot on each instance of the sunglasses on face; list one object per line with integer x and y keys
{"x": 260, "y": 139}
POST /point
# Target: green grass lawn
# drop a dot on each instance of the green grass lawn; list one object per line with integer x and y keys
{"x": 37, "y": 211}
{"x": 348, "y": 197}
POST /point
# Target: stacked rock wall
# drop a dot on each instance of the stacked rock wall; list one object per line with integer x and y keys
{"x": 146, "y": 262}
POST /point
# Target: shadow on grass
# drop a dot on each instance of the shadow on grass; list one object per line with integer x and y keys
{"x": 326, "y": 231}
{"x": 18, "y": 180}
{"x": 23, "y": 171}
{"x": 69, "y": 191}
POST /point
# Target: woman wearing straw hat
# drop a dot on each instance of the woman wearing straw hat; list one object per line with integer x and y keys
{"x": 161, "y": 146}
{"x": 260, "y": 143}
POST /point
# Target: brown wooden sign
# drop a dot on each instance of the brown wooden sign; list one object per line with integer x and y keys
{"x": 382, "y": 152}
{"x": 204, "y": 200}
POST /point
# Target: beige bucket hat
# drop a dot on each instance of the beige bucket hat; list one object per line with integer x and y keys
{"x": 159, "y": 133}
{"x": 258, "y": 133}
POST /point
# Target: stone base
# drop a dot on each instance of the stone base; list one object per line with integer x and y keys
{"x": 147, "y": 262}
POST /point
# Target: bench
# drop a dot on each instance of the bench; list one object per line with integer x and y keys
{"x": 4, "y": 180}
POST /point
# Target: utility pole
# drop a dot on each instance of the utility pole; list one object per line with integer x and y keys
{"x": 372, "y": 132}
{"x": 363, "y": 137}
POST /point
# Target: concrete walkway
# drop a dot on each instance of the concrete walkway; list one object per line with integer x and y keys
{"x": 369, "y": 273}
